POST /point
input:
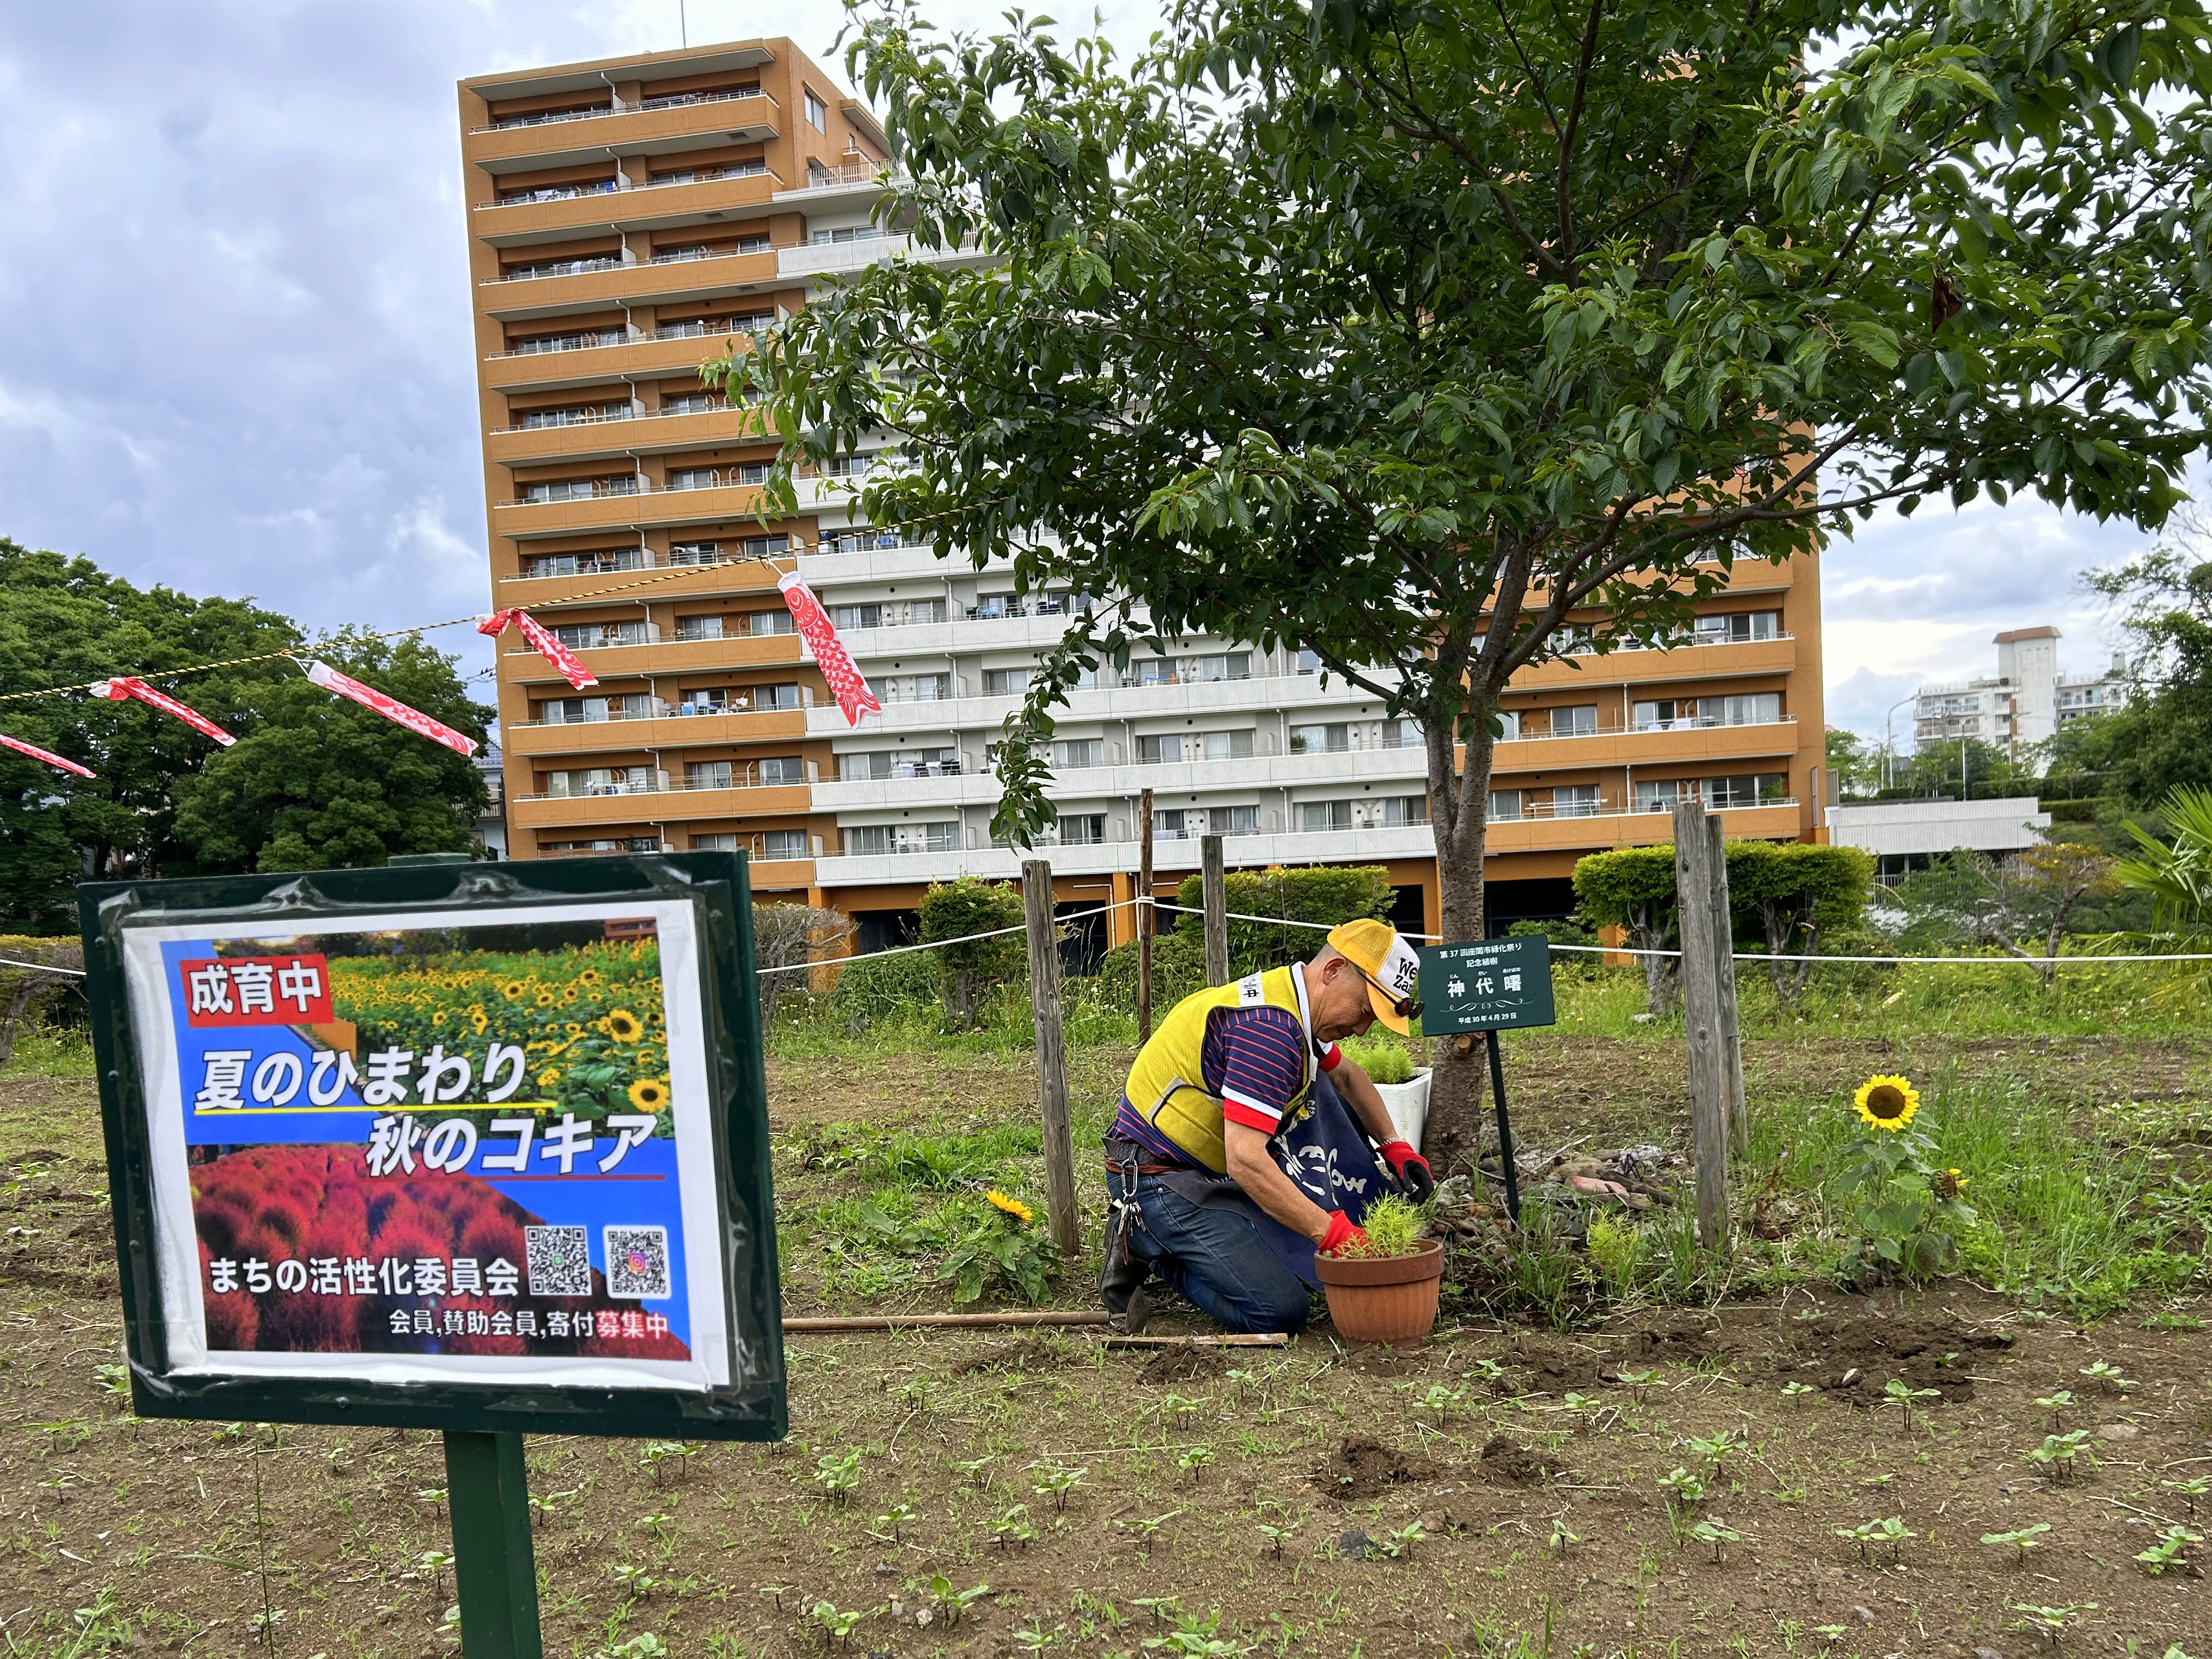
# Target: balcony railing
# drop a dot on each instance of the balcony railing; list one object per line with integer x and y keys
{"x": 1614, "y": 728}
{"x": 724, "y": 479}
{"x": 821, "y": 176}
{"x": 651, "y": 559}
{"x": 736, "y": 703}
{"x": 615, "y": 106}
{"x": 745, "y": 777}
{"x": 587, "y": 267}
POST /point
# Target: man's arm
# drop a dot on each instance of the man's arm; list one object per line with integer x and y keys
{"x": 1264, "y": 1182}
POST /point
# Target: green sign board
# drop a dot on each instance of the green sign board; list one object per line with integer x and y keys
{"x": 1492, "y": 985}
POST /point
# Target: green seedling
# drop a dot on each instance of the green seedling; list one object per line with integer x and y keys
{"x": 643, "y": 1645}
{"x": 1401, "y": 1541}
{"x": 2063, "y": 1454}
{"x": 951, "y": 1603}
{"x": 435, "y": 1563}
{"x": 1903, "y": 1394}
{"x": 1198, "y": 1638}
{"x": 662, "y": 1454}
{"x": 1717, "y": 1450}
{"x": 1057, "y": 1483}
{"x": 973, "y": 1468}
{"x": 1637, "y": 1381}
{"x": 1145, "y": 1528}
{"x": 1797, "y": 1390}
{"x": 834, "y": 1623}
{"x": 1716, "y": 1532}
{"x": 1276, "y": 1537}
{"x": 2171, "y": 1322}
{"x": 2058, "y": 1405}
{"x": 1441, "y": 1400}
{"x": 1561, "y": 1537}
{"x": 1179, "y": 1406}
{"x": 1193, "y": 1459}
{"x": 1876, "y": 1482}
{"x": 2188, "y": 1490}
{"x": 2022, "y": 1538}
{"x": 1683, "y": 1489}
{"x": 113, "y": 1381}
{"x": 2170, "y": 1551}
{"x": 1161, "y": 1607}
{"x": 635, "y": 1577}
{"x": 1034, "y": 1637}
{"x": 894, "y": 1520}
{"x": 2052, "y": 1622}
{"x": 1579, "y": 1402}
{"x": 1890, "y": 1530}
{"x": 1489, "y": 1370}
{"x": 2109, "y": 1376}
{"x": 1808, "y": 1315}
{"x": 838, "y": 1475}
{"x": 1015, "y": 1526}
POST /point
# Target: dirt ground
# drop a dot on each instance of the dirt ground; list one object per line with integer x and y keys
{"x": 1531, "y": 1461}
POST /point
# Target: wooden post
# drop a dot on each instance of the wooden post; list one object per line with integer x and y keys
{"x": 1731, "y": 1034}
{"x": 1214, "y": 882}
{"x": 495, "y": 1576}
{"x": 1052, "y": 1056}
{"x": 1145, "y": 920}
{"x": 1701, "y": 1010}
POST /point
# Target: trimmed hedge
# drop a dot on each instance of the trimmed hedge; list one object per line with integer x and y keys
{"x": 1326, "y": 897}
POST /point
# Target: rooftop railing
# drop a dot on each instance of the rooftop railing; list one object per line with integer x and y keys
{"x": 615, "y": 106}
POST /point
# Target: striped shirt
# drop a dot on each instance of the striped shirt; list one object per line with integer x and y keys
{"x": 1253, "y": 1060}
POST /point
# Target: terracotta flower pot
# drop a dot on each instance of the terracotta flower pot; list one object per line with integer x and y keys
{"x": 1386, "y": 1298}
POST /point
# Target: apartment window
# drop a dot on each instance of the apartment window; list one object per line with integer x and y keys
{"x": 1236, "y": 820}
{"x": 1391, "y": 812}
{"x": 1739, "y": 628}
{"x": 1308, "y": 663}
{"x": 817, "y": 112}
{"x": 851, "y": 466}
{"x": 1074, "y": 754}
{"x": 1401, "y": 734}
{"x": 1662, "y": 714}
{"x": 859, "y": 540}
{"x": 562, "y": 267}
{"x": 913, "y": 688}
{"x": 857, "y": 615}
{"x": 780, "y": 844}
{"x": 1574, "y": 641}
{"x": 589, "y": 636}
{"x": 1006, "y": 682}
{"x": 1155, "y": 671}
{"x": 695, "y": 553}
{"x": 783, "y": 771}
{"x": 1230, "y": 666}
{"x": 752, "y": 472}
{"x": 1317, "y": 815}
{"x": 1170, "y": 748}
{"x": 775, "y": 696}
{"x": 1082, "y": 828}
{"x": 690, "y": 403}
{"x": 613, "y": 844}
{"x": 1745, "y": 790}
{"x": 714, "y": 700}
{"x": 1575, "y": 720}
{"x": 576, "y": 340}
{"x": 1575, "y": 800}
{"x": 693, "y": 477}
{"x": 584, "y": 711}
{"x": 846, "y": 233}
{"x": 602, "y": 780}
{"x": 581, "y": 489}
{"x": 707, "y": 775}
{"x": 761, "y": 623}
{"x": 868, "y": 839}
{"x": 1504, "y": 805}
{"x": 762, "y": 547}
{"x": 1658, "y": 795}
{"x": 573, "y": 415}
{"x": 1747, "y": 708}
{"x": 720, "y": 841}
{"x": 1320, "y": 740}
{"x": 699, "y": 627}
{"x": 586, "y": 564}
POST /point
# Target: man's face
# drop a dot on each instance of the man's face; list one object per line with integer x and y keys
{"x": 1340, "y": 1008}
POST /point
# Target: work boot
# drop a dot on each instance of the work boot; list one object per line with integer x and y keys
{"x": 1123, "y": 1277}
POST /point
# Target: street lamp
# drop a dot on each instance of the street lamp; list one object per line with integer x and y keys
{"x": 1889, "y": 740}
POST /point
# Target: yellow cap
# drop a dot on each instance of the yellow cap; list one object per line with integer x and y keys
{"x": 1389, "y": 963}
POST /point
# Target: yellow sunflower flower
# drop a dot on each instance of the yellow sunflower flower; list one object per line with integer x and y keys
{"x": 572, "y": 1028}
{"x": 513, "y": 989}
{"x": 549, "y": 1077}
{"x": 438, "y": 1018}
{"x": 1886, "y": 1102}
{"x": 1951, "y": 1183}
{"x": 648, "y": 1094}
{"x": 589, "y": 977}
{"x": 1012, "y": 1206}
{"x": 622, "y": 1026}
{"x": 477, "y": 1018}
{"x": 545, "y": 999}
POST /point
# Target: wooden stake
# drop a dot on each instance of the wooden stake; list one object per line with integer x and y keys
{"x": 1145, "y": 920}
{"x": 927, "y": 1322}
{"x": 1738, "y": 1111}
{"x": 1215, "y": 884}
{"x": 1052, "y": 1056}
{"x": 1701, "y": 998}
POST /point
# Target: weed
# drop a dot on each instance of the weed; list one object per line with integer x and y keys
{"x": 2022, "y": 1538}
{"x": 2166, "y": 1321}
{"x": 1197, "y": 1636}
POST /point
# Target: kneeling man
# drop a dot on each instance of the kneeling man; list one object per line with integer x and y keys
{"x": 1193, "y": 1150}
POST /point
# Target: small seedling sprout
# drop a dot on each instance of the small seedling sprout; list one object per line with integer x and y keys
{"x": 2022, "y": 1538}
{"x": 1057, "y": 1483}
{"x": 1146, "y": 1529}
{"x": 1900, "y": 1393}
{"x": 1561, "y": 1537}
{"x": 894, "y": 1520}
{"x": 838, "y": 1475}
{"x": 1683, "y": 1489}
{"x": 951, "y": 1603}
{"x": 1794, "y": 1391}
{"x": 2061, "y": 1453}
{"x": 2170, "y": 1551}
{"x": 973, "y": 1468}
{"x": 1014, "y": 1526}
{"x": 2188, "y": 1490}
{"x": 2052, "y": 1621}
{"x": 2103, "y": 1372}
{"x": 1194, "y": 1458}
{"x": 1716, "y": 1532}
{"x": 1890, "y": 1530}
{"x": 837, "y": 1624}
{"x": 2057, "y": 1404}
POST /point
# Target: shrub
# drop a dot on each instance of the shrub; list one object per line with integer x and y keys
{"x": 957, "y": 911}
{"x": 1178, "y": 969}
{"x": 1325, "y": 896}
{"x": 885, "y": 987}
{"x": 1384, "y": 1061}
{"x": 1392, "y": 1226}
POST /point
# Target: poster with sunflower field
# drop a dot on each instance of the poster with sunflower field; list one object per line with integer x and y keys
{"x": 404, "y": 1148}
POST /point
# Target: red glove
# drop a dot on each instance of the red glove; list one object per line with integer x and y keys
{"x": 1341, "y": 1233}
{"x": 1410, "y": 1168}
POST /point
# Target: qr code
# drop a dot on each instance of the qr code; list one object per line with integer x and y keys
{"x": 637, "y": 1261}
{"x": 560, "y": 1261}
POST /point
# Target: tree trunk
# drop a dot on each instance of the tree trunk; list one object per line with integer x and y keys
{"x": 1459, "y": 811}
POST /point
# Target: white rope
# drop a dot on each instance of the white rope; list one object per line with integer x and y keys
{"x": 1285, "y": 921}
{"x": 937, "y": 943}
{"x": 10, "y": 962}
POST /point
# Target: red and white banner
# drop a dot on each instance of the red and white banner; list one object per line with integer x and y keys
{"x": 542, "y": 640}
{"x": 830, "y": 656}
{"x": 391, "y": 708}
{"x": 125, "y": 687}
{"x": 37, "y": 753}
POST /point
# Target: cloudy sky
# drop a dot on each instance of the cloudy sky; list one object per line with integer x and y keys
{"x": 234, "y": 302}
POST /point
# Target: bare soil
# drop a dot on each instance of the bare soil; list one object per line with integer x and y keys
{"x": 183, "y": 1527}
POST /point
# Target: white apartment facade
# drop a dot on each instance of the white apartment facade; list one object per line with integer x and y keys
{"x": 2026, "y": 702}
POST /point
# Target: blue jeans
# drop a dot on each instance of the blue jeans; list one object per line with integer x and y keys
{"x": 1216, "y": 1260}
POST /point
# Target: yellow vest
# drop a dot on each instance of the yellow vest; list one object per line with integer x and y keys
{"x": 1164, "y": 1085}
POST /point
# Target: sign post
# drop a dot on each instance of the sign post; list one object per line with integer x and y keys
{"x": 1489, "y": 986}
{"x": 478, "y": 1148}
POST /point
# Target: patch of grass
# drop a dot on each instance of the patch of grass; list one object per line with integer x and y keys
{"x": 50, "y": 1051}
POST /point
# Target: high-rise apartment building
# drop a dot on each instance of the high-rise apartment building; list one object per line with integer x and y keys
{"x": 626, "y": 217}
{"x": 2026, "y": 702}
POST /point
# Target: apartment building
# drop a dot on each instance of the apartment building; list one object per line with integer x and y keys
{"x": 2026, "y": 702}
{"x": 627, "y": 217}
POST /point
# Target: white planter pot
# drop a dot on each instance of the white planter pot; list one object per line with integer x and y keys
{"x": 1408, "y": 1105}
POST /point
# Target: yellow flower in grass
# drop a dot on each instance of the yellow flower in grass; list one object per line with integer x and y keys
{"x": 438, "y": 1018}
{"x": 1951, "y": 1183}
{"x": 572, "y": 1028}
{"x": 1012, "y": 1206}
{"x": 549, "y": 1077}
{"x": 622, "y": 1026}
{"x": 477, "y": 1018}
{"x": 1886, "y": 1102}
{"x": 648, "y": 1094}
{"x": 544, "y": 998}
{"x": 513, "y": 989}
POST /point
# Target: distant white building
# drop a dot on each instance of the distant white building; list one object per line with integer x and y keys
{"x": 1903, "y": 835}
{"x": 491, "y": 823}
{"x": 2025, "y": 704}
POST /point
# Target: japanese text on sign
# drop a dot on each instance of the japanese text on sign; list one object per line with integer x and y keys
{"x": 1487, "y": 985}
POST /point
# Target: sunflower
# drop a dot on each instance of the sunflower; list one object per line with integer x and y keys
{"x": 572, "y": 1028}
{"x": 622, "y": 1026}
{"x": 648, "y": 1094}
{"x": 589, "y": 977}
{"x": 549, "y": 1077}
{"x": 438, "y": 1018}
{"x": 1886, "y": 1102}
{"x": 477, "y": 1018}
{"x": 1950, "y": 1183}
{"x": 1012, "y": 1206}
{"x": 513, "y": 989}
{"x": 544, "y": 998}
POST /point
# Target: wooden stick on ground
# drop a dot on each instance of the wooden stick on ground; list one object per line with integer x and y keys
{"x": 926, "y": 1322}
{"x": 1226, "y": 1339}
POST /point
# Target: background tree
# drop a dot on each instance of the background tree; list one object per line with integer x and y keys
{"x": 2024, "y": 904}
{"x": 959, "y": 909}
{"x": 65, "y": 621}
{"x": 1959, "y": 769}
{"x": 2161, "y": 739}
{"x": 1789, "y": 895}
{"x": 785, "y": 935}
{"x": 2177, "y": 874}
{"x": 1855, "y": 766}
{"x": 1633, "y": 888}
{"x": 1451, "y": 324}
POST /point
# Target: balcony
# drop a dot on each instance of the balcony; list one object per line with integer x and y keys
{"x": 642, "y": 357}
{"x": 970, "y": 712}
{"x": 543, "y": 741}
{"x": 806, "y": 260}
{"x": 737, "y": 573}
{"x": 722, "y": 503}
{"x": 640, "y": 432}
{"x": 1662, "y": 743}
{"x": 598, "y": 285}
{"x": 657, "y": 127}
{"x": 518, "y": 222}
{"x": 674, "y": 798}
{"x": 1725, "y": 660}
{"x": 848, "y": 181}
